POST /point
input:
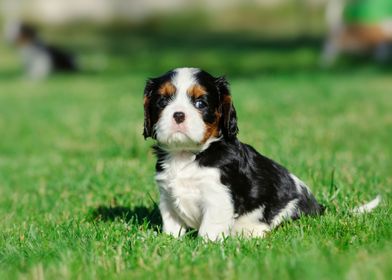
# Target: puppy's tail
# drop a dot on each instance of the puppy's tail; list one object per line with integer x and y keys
{"x": 367, "y": 207}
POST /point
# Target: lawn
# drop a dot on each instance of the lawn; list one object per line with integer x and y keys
{"x": 77, "y": 191}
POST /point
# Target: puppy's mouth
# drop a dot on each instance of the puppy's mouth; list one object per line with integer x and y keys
{"x": 179, "y": 133}
{"x": 179, "y": 140}
{"x": 179, "y": 136}
{"x": 181, "y": 127}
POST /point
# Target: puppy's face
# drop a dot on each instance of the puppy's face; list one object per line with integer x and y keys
{"x": 19, "y": 34}
{"x": 186, "y": 107}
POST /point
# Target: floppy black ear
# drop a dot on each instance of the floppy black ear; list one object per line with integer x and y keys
{"x": 228, "y": 121}
{"x": 147, "y": 131}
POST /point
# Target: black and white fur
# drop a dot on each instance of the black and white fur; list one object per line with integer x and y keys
{"x": 217, "y": 185}
{"x": 39, "y": 59}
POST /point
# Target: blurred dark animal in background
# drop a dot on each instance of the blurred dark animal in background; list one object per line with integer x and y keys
{"x": 39, "y": 58}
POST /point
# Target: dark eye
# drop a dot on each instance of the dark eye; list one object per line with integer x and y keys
{"x": 200, "y": 104}
{"x": 163, "y": 102}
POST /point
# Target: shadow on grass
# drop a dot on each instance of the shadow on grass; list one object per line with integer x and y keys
{"x": 139, "y": 215}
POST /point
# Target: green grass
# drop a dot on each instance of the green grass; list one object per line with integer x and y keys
{"x": 77, "y": 195}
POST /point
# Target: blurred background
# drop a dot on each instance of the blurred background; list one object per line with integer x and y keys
{"x": 241, "y": 37}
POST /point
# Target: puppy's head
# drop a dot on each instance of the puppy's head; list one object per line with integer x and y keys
{"x": 187, "y": 107}
{"x": 20, "y": 34}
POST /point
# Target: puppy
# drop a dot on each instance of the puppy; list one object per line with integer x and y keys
{"x": 39, "y": 59}
{"x": 208, "y": 180}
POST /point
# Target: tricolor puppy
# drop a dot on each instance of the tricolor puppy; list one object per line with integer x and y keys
{"x": 208, "y": 180}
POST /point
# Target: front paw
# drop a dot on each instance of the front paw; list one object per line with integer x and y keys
{"x": 214, "y": 236}
{"x": 174, "y": 232}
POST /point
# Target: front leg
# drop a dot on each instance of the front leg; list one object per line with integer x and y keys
{"x": 218, "y": 213}
{"x": 172, "y": 224}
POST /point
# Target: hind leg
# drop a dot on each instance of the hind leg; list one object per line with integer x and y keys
{"x": 250, "y": 230}
{"x": 249, "y": 225}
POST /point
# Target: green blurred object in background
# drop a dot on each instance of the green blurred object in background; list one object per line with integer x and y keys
{"x": 368, "y": 11}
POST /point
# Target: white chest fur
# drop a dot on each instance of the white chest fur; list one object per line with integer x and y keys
{"x": 193, "y": 196}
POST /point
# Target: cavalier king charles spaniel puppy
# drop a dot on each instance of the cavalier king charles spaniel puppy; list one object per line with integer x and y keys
{"x": 208, "y": 180}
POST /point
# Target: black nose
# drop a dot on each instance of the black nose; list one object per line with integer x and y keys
{"x": 179, "y": 117}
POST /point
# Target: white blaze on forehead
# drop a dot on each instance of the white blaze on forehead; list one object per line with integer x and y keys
{"x": 184, "y": 78}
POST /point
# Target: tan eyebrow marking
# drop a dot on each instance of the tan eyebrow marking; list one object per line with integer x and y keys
{"x": 167, "y": 89}
{"x": 196, "y": 91}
